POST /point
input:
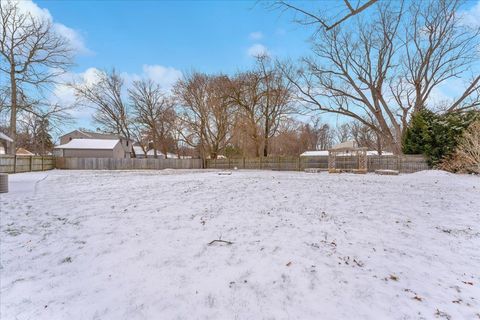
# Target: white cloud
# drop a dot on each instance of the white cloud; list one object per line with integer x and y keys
{"x": 257, "y": 35}
{"x": 257, "y": 50}
{"x": 64, "y": 94}
{"x": 164, "y": 76}
{"x": 74, "y": 37}
{"x": 448, "y": 91}
{"x": 471, "y": 17}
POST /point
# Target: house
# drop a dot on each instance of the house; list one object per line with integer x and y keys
{"x": 23, "y": 152}
{"x": 151, "y": 154}
{"x": 4, "y": 143}
{"x": 92, "y": 148}
{"x": 87, "y": 144}
{"x": 346, "y": 144}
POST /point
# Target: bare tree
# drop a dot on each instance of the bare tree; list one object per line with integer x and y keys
{"x": 245, "y": 92}
{"x": 324, "y": 135}
{"x": 309, "y": 18}
{"x": 276, "y": 93}
{"x": 205, "y": 111}
{"x": 141, "y": 136}
{"x": 380, "y": 71}
{"x": 342, "y": 133}
{"x": 154, "y": 111}
{"x": 33, "y": 55}
{"x": 263, "y": 96}
{"x": 106, "y": 96}
{"x": 364, "y": 136}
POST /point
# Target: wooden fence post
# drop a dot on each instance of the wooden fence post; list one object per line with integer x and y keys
{"x": 42, "y": 163}
{"x": 15, "y": 163}
{"x": 31, "y": 160}
{"x": 243, "y": 162}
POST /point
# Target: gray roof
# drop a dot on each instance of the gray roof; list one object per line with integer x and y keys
{"x": 99, "y": 135}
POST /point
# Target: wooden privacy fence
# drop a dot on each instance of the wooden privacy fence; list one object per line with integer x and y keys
{"x": 16, "y": 164}
{"x": 403, "y": 163}
{"x": 126, "y": 164}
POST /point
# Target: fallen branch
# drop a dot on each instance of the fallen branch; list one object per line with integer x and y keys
{"x": 219, "y": 240}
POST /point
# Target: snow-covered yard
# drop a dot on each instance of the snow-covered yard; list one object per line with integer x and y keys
{"x": 135, "y": 245}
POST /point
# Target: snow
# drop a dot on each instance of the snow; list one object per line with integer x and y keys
{"x": 138, "y": 245}
{"x": 316, "y": 153}
{"x": 102, "y": 144}
{"x": 4, "y": 137}
{"x": 151, "y": 153}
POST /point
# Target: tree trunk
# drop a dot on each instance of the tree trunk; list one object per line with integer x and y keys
{"x": 378, "y": 140}
{"x": 265, "y": 139}
{"x": 13, "y": 111}
{"x": 155, "y": 155}
{"x": 265, "y": 147}
{"x": 396, "y": 147}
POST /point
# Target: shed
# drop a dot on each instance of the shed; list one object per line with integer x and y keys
{"x": 92, "y": 148}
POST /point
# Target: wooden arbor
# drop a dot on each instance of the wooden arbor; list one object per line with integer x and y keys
{"x": 358, "y": 166}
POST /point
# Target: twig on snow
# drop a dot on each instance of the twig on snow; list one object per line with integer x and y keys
{"x": 220, "y": 240}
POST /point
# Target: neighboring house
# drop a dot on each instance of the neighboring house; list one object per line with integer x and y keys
{"x": 126, "y": 144}
{"x": 92, "y": 148}
{"x": 4, "y": 143}
{"x": 347, "y": 144}
{"x": 23, "y": 152}
{"x": 151, "y": 154}
{"x": 317, "y": 153}
{"x": 138, "y": 152}
{"x": 314, "y": 153}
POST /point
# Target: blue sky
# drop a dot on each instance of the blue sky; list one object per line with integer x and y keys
{"x": 208, "y": 36}
{"x": 162, "y": 39}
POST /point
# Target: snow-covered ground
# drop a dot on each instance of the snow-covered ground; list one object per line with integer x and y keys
{"x": 135, "y": 245}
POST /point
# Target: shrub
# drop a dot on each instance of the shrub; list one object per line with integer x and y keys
{"x": 466, "y": 157}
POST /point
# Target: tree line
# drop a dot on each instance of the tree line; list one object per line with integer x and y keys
{"x": 373, "y": 72}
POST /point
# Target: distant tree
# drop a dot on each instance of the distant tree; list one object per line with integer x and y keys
{"x": 32, "y": 55}
{"x": 154, "y": 111}
{"x": 290, "y": 139}
{"x": 364, "y": 136}
{"x": 245, "y": 92}
{"x": 324, "y": 134}
{"x": 342, "y": 133}
{"x": 113, "y": 114}
{"x": 276, "y": 102}
{"x": 38, "y": 125}
{"x": 263, "y": 97}
{"x": 205, "y": 111}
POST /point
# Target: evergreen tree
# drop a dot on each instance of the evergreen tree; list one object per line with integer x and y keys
{"x": 434, "y": 135}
